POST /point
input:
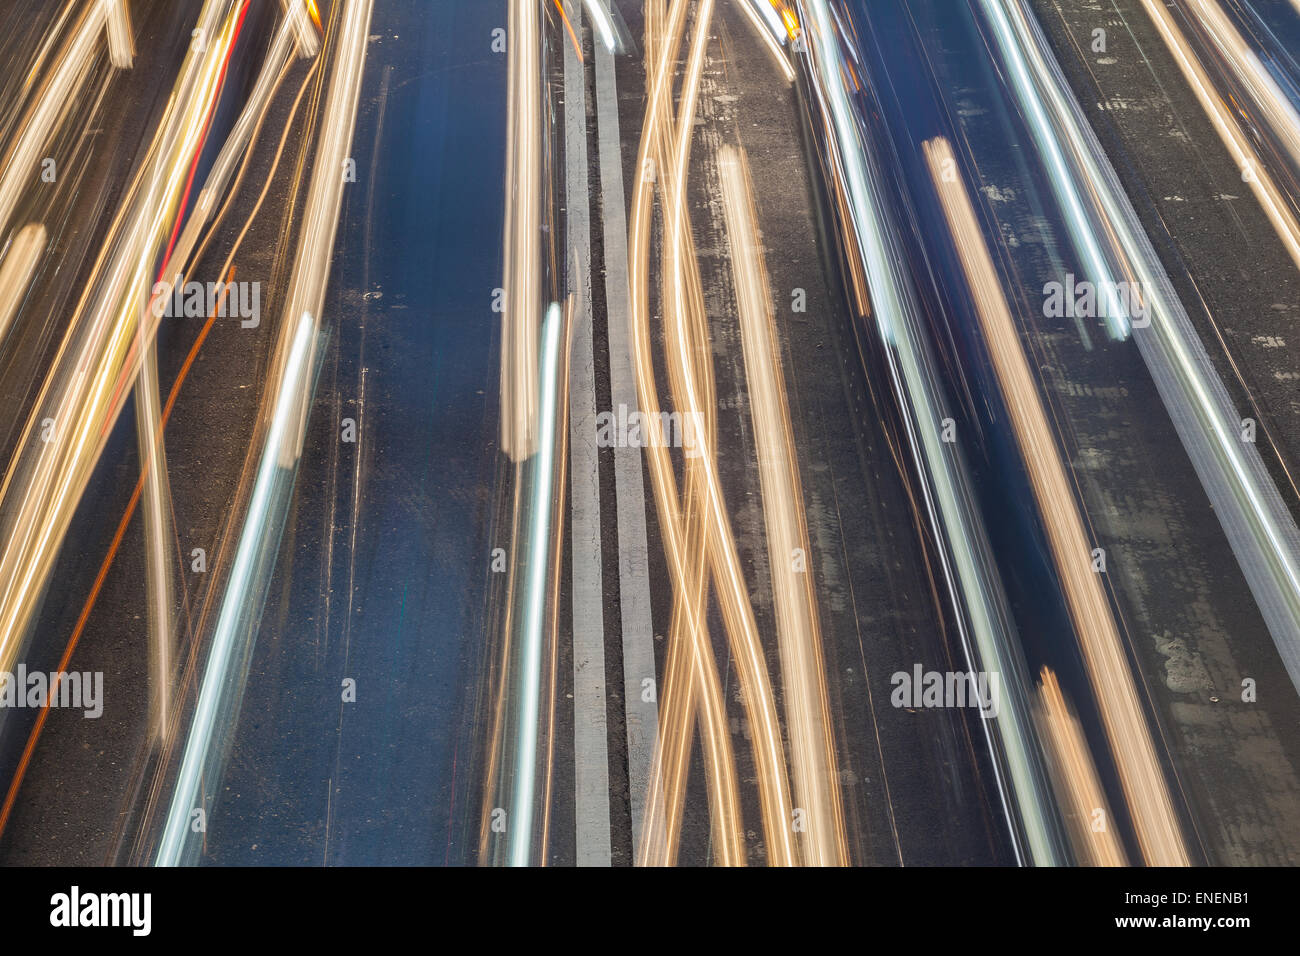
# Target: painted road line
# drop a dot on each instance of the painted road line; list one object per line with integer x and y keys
{"x": 590, "y": 735}
{"x": 633, "y": 560}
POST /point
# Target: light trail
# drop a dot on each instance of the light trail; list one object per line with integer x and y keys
{"x": 158, "y": 537}
{"x": 772, "y": 36}
{"x": 537, "y": 539}
{"x": 723, "y": 561}
{"x": 575, "y": 43}
{"x": 310, "y": 277}
{"x": 1255, "y": 520}
{"x": 213, "y": 693}
{"x": 1277, "y": 111}
{"x": 967, "y": 564}
{"x": 807, "y": 704}
{"x": 1254, "y": 77}
{"x": 296, "y": 18}
{"x": 1076, "y": 779}
{"x": 52, "y": 102}
{"x": 255, "y": 108}
{"x": 738, "y": 615}
{"x": 691, "y": 683}
{"x": 1065, "y": 186}
{"x": 1114, "y": 688}
{"x": 690, "y": 342}
{"x": 767, "y": 11}
{"x": 121, "y": 41}
{"x": 159, "y": 564}
{"x": 287, "y": 402}
{"x": 600, "y": 19}
{"x": 522, "y": 272}
{"x": 113, "y": 549}
{"x": 224, "y": 274}
{"x": 99, "y": 356}
{"x": 16, "y": 271}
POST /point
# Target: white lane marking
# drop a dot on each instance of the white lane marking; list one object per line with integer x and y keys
{"x": 633, "y": 561}
{"x": 590, "y": 735}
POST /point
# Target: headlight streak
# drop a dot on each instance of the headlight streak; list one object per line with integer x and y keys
{"x": 52, "y": 102}
{"x": 602, "y": 23}
{"x": 768, "y": 12}
{"x": 268, "y": 79}
{"x": 526, "y": 735}
{"x": 1064, "y": 185}
{"x": 772, "y": 36}
{"x": 1075, "y": 776}
{"x": 1275, "y": 107}
{"x": 158, "y": 537}
{"x": 214, "y": 694}
{"x": 225, "y": 274}
{"x": 16, "y": 271}
{"x": 1036, "y": 745}
{"x": 683, "y": 299}
{"x": 968, "y": 571}
{"x": 79, "y": 628}
{"x": 1254, "y": 518}
{"x": 293, "y": 374}
{"x": 809, "y": 727}
{"x": 157, "y": 508}
{"x": 1114, "y": 689}
{"x": 1277, "y": 112}
{"x": 121, "y": 44}
{"x": 310, "y": 276}
{"x": 522, "y": 271}
{"x": 157, "y": 500}
{"x": 690, "y": 685}
{"x": 99, "y": 357}
{"x": 733, "y": 596}
{"x": 296, "y": 13}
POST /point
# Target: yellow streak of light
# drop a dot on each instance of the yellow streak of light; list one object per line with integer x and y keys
{"x": 278, "y": 442}
{"x": 16, "y": 271}
{"x": 98, "y": 358}
{"x": 568, "y": 27}
{"x": 681, "y": 318}
{"x": 699, "y": 688}
{"x": 791, "y": 22}
{"x": 121, "y": 40}
{"x": 807, "y": 704}
{"x": 1220, "y": 116}
{"x": 1141, "y": 777}
{"x": 299, "y": 15}
{"x": 1075, "y": 777}
{"x": 522, "y": 279}
{"x": 50, "y": 104}
{"x": 158, "y": 537}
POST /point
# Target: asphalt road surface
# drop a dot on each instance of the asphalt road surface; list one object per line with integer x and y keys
{"x": 668, "y": 433}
